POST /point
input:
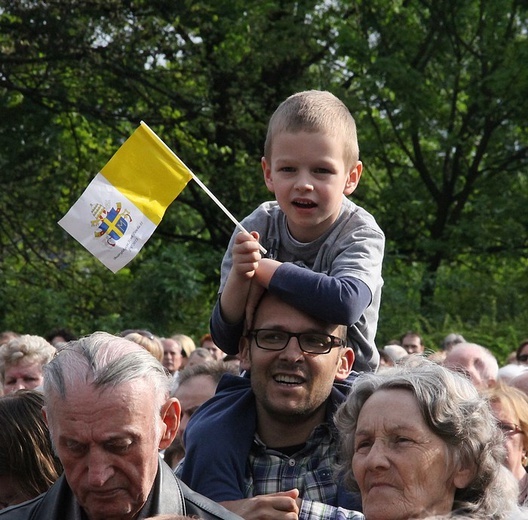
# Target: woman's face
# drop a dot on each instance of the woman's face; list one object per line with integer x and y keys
{"x": 513, "y": 439}
{"x": 403, "y": 469}
{"x": 24, "y": 375}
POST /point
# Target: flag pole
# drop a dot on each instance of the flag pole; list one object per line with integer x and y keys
{"x": 204, "y": 187}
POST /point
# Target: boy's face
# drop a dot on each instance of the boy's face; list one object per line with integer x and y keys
{"x": 308, "y": 175}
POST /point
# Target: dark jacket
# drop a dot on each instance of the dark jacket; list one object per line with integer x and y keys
{"x": 169, "y": 496}
{"x": 229, "y": 420}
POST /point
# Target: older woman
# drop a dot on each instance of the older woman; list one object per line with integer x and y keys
{"x": 21, "y": 362}
{"x": 510, "y": 407}
{"x": 418, "y": 441}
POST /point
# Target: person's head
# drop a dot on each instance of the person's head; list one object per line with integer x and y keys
{"x": 199, "y": 356}
{"x": 197, "y": 384}
{"x": 520, "y": 382}
{"x": 522, "y": 353}
{"x": 510, "y": 407}
{"x": 28, "y": 466}
{"x": 8, "y": 335}
{"x": 452, "y": 339}
{"x": 385, "y": 360}
{"x": 510, "y": 371}
{"x": 21, "y": 362}
{"x": 412, "y": 342}
{"x": 311, "y": 158}
{"x": 395, "y": 352}
{"x": 149, "y": 342}
{"x": 417, "y": 440}
{"x": 294, "y": 360}
{"x": 109, "y": 412}
{"x": 172, "y": 354}
{"x": 187, "y": 345}
{"x": 475, "y": 361}
{"x": 59, "y": 336}
{"x": 206, "y": 341}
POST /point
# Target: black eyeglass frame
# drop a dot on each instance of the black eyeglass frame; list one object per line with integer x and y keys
{"x": 522, "y": 358}
{"x": 333, "y": 341}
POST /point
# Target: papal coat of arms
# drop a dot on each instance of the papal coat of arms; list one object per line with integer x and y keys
{"x": 111, "y": 224}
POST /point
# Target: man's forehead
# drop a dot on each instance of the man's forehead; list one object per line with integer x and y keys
{"x": 276, "y": 314}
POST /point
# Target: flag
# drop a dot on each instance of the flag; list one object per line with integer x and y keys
{"x": 125, "y": 202}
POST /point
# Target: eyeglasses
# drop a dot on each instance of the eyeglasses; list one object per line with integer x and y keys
{"x": 309, "y": 342}
{"x": 523, "y": 358}
{"x": 509, "y": 429}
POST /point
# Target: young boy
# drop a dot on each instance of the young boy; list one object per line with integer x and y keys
{"x": 324, "y": 253}
{"x": 324, "y": 257}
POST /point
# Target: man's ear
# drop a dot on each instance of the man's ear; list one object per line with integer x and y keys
{"x": 170, "y": 415}
{"x": 243, "y": 353}
{"x": 353, "y": 177}
{"x": 266, "y": 170}
{"x": 344, "y": 363}
{"x": 463, "y": 477}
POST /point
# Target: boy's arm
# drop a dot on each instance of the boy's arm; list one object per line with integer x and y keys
{"x": 334, "y": 299}
{"x": 225, "y": 335}
{"x": 246, "y": 256}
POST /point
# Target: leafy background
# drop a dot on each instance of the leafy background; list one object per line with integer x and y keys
{"x": 439, "y": 90}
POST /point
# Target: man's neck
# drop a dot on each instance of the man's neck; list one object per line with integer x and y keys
{"x": 281, "y": 431}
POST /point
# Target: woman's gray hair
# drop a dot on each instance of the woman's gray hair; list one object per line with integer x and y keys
{"x": 34, "y": 349}
{"x": 102, "y": 361}
{"x": 453, "y": 410}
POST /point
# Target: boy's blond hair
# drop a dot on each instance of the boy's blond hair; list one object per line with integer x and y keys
{"x": 315, "y": 111}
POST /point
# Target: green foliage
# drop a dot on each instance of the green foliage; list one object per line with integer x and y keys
{"x": 438, "y": 92}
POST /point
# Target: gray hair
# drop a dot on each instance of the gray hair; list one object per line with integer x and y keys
{"x": 34, "y": 349}
{"x": 215, "y": 370}
{"x": 487, "y": 364}
{"x": 103, "y": 361}
{"x": 454, "y": 411}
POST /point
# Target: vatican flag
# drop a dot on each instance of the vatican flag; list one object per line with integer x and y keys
{"x": 125, "y": 202}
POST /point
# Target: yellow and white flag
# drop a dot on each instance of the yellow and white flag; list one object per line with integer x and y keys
{"x": 125, "y": 202}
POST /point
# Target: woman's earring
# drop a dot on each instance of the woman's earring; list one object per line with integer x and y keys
{"x": 524, "y": 459}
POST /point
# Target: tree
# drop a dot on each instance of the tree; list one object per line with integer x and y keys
{"x": 436, "y": 88}
{"x": 441, "y": 102}
{"x": 94, "y": 69}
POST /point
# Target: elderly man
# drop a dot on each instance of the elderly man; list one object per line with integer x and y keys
{"x": 266, "y": 446}
{"x": 172, "y": 355}
{"x": 476, "y": 361}
{"x": 109, "y": 412}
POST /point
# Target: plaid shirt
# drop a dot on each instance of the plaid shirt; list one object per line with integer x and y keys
{"x": 310, "y": 470}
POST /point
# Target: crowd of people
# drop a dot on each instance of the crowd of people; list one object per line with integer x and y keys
{"x": 286, "y": 409}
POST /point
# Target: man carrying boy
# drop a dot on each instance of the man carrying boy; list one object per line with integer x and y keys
{"x": 277, "y": 458}
{"x": 325, "y": 252}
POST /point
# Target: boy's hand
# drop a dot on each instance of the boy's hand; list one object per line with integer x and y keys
{"x": 265, "y": 271}
{"x": 246, "y": 254}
